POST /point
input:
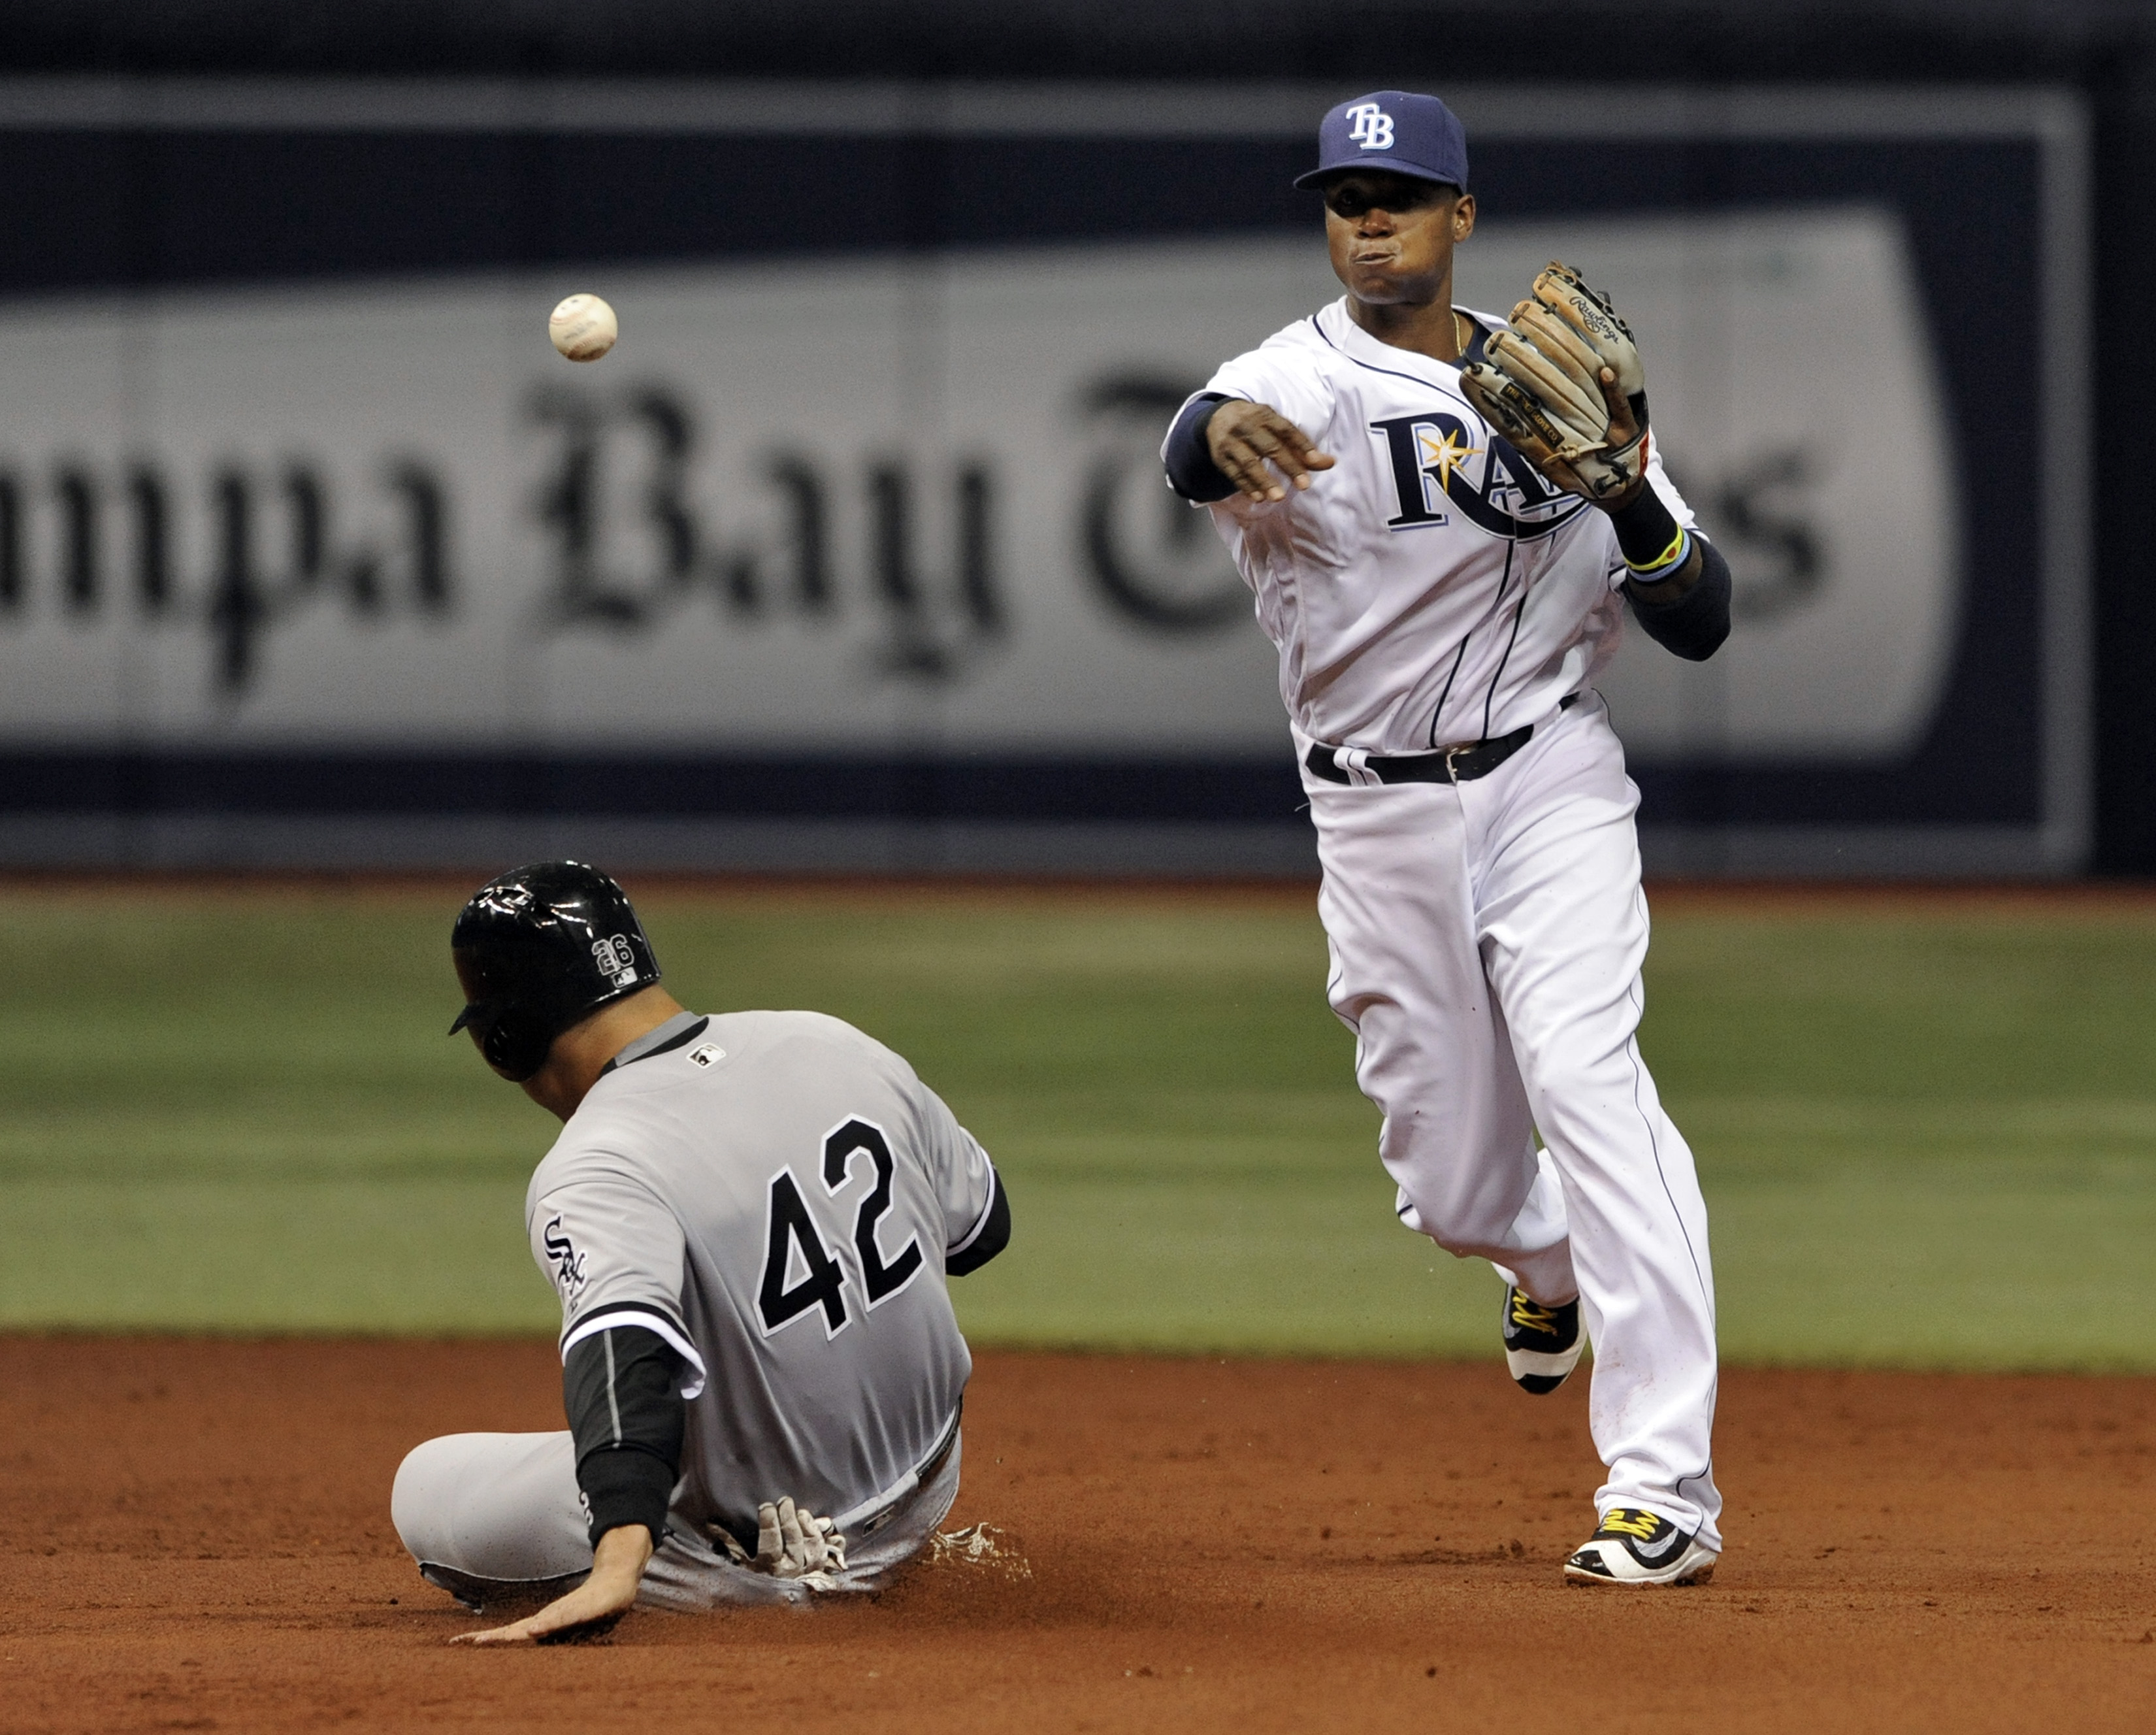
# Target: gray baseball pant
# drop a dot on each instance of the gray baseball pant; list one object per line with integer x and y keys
{"x": 496, "y": 1518}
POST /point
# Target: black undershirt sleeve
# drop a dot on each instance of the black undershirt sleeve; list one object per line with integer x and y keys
{"x": 994, "y": 1238}
{"x": 1695, "y": 624}
{"x": 1645, "y": 529}
{"x": 622, "y": 1390}
{"x": 1692, "y": 626}
{"x": 1191, "y": 470}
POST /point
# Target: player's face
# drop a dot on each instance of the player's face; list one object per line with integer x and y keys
{"x": 1392, "y": 236}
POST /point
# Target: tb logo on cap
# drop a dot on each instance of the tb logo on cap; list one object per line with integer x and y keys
{"x": 1373, "y": 127}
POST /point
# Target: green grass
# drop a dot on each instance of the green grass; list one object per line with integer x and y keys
{"x": 1926, "y": 1139}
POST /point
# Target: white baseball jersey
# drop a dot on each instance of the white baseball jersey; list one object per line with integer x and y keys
{"x": 1486, "y": 936}
{"x": 775, "y": 1194}
{"x": 1431, "y": 588}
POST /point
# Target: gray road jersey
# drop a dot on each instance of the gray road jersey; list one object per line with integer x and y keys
{"x": 775, "y": 1194}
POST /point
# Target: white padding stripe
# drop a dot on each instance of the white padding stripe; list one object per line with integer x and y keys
{"x": 656, "y": 1323}
{"x": 980, "y": 1223}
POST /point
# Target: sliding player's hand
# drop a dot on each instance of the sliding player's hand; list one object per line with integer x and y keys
{"x": 591, "y": 1609}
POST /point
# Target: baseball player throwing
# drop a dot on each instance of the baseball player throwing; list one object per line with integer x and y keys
{"x": 1443, "y": 515}
{"x": 749, "y": 1218}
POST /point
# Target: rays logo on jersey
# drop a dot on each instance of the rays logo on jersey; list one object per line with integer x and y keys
{"x": 1436, "y": 463}
{"x": 615, "y": 959}
{"x": 562, "y": 1253}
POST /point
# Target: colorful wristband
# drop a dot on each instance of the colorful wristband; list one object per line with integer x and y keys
{"x": 1648, "y": 536}
{"x": 1668, "y": 561}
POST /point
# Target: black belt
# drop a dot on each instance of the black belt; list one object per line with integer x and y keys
{"x": 931, "y": 1466}
{"x": 934, "y": 1462}
{"x": 1448, "y": 765}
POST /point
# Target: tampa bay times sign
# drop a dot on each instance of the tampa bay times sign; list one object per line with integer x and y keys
{"x": 863, "y": 504}
{"x": 904, "y": 502}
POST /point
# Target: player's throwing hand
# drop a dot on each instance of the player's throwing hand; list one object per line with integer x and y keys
{"x": 1245, "y": 438}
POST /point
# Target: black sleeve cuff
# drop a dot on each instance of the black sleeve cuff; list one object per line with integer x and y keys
{"x": 994, "y": 1238}
{"x": 624, "y": 1486}
{"x": 1191, "y": 470}
{"x": 621, "y": 1388}
{"x": 1694, "y": 625}
{"x": 1645, "y": 529}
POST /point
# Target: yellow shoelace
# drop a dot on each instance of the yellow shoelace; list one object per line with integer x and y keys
{"x": 1625, "y": 1522}
{"x": 1531, "y": 1315}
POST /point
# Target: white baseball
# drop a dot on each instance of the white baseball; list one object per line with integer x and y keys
{"x": 583, "y": 328}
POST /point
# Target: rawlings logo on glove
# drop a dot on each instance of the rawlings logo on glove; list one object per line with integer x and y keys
{"x": 1544, "y": 388}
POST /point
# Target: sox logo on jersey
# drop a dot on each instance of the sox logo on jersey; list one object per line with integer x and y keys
{"x": 567, "y": 1261}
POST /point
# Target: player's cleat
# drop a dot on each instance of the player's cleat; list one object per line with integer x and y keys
{"x": 1633, "y": 1546}
{"x": 1541, "y": 1344}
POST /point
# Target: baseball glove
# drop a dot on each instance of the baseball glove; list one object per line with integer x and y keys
{"x": 1542, "y": 387}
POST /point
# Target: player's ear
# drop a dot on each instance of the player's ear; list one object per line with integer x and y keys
{"x": 1463, "y": 216}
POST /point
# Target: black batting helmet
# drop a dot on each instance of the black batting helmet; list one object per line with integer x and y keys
{"x": 538, "y": 950}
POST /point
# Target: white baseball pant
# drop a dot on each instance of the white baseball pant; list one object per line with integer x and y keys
{"x": 497, "y": 1517}
{"x": 1486, "y": 941}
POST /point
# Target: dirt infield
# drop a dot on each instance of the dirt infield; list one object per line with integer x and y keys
{"x": 196, "y": 1536}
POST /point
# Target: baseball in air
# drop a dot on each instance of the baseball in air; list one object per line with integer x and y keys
{"x": 583, "y": 328}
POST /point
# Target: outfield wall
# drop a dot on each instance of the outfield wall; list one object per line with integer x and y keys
{"x": 853, "y": 555}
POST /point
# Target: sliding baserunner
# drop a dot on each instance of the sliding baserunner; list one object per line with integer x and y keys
{"x": 749, "y": 1218}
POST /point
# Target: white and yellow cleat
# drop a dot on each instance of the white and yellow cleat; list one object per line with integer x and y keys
{"x": 1541, "y": 1344}
{"x": 1633, "y": 1546}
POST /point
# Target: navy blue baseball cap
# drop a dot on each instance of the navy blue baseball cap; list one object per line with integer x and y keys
{"x": 1394, "y": 131}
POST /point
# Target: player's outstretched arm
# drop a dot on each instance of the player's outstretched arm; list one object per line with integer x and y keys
{"x": 622, "y": 1389}
{"x": 592, "y": 1608}
{"x": 1258, "y": 449}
